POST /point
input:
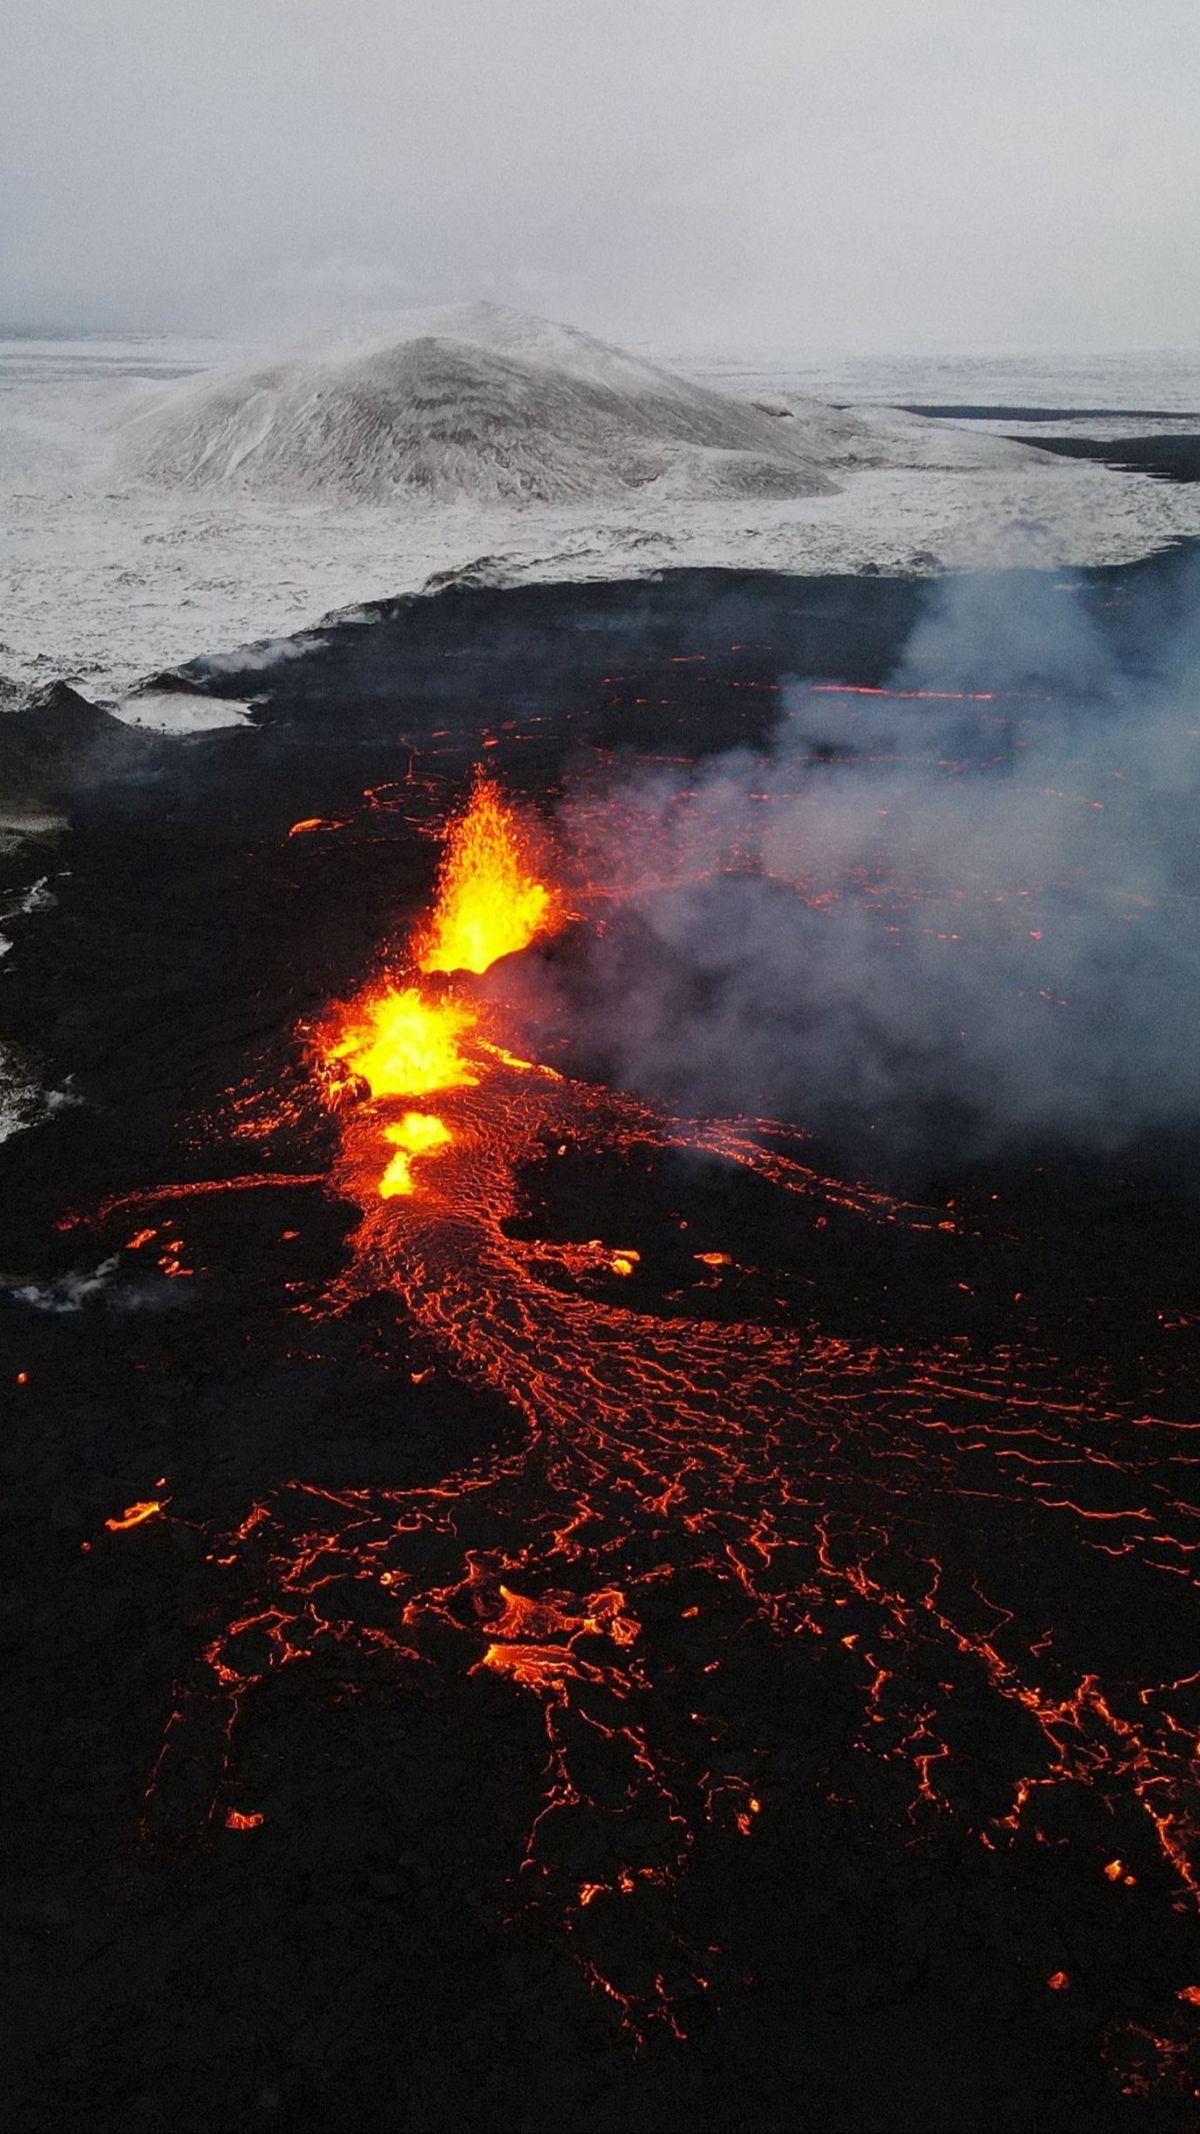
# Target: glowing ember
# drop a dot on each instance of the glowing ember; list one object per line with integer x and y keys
{"x": 491, "y": 901}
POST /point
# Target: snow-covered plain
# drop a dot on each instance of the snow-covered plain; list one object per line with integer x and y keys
{"x": 117, "y": 560}
{"x": 1166, "y": 378}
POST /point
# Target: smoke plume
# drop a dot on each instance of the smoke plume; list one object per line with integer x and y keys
{"x": 959, "y": 915}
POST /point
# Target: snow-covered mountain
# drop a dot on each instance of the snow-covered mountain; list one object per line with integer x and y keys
{"x": 477, "y": 404}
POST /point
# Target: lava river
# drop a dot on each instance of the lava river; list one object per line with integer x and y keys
{"x": 691, "y": 1488}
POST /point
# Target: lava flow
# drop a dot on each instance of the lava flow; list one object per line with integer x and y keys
{"x": 693, "y": 1489}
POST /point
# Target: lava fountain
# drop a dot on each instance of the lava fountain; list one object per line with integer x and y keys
{"x": 491, "y": 900}
{"x": 410, "y": 1040}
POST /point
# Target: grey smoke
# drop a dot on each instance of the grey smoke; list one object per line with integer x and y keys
{"x": 925, "y": 925}
{"x": 69, "y": 1292}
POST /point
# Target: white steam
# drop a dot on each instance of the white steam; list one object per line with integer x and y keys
{"x": 940, "y": 921}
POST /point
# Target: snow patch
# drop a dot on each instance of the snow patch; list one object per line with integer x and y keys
{"x": 39, "y": 897}
{"x": 22, "y": 1100}
{"x": 170, "y": 711}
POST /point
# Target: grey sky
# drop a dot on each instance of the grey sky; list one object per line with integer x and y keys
{"x": 761, "y": 174}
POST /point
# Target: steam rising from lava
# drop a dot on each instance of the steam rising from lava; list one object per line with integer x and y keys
{"x": 956, "y": 914}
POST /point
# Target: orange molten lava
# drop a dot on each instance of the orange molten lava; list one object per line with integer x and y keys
{"x": 134, "y": 1515}
{"x": 418, "y": 1133}
{"x": 402, "y": 1045}
{"x": 410, "y": 1040}
{"x": 490, "y": 899}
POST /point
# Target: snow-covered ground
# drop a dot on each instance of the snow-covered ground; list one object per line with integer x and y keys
{"x": 1159, "y": 378}
{"x": 107, "y": 574}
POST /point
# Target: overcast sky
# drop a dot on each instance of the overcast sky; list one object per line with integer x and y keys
{"x": 802, "y": 175}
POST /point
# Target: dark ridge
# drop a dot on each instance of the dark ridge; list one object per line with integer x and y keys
{"x": 1172, "y": 459}
{"x": 59, "y": 743}
{"x": 1000, "y": 411}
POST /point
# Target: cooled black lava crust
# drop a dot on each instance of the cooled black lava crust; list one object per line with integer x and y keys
{"x": 1171, "y": 456}
{"x": 348, "y": 1965}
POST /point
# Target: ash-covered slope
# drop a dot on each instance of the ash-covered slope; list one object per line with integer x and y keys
{"x": 478, "y": 405}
